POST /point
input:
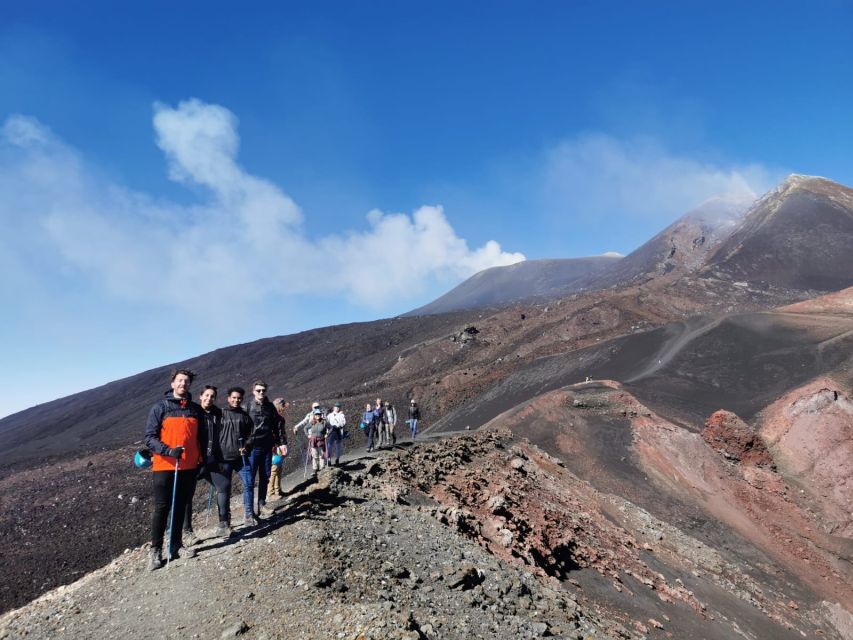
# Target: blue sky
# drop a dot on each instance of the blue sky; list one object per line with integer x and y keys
{"x": 176, "y": 179}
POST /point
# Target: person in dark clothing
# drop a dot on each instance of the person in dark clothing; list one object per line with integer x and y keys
{"x": 267, "y": 435}
{"x": 212, "y": 418}
{"x": 414, "y": 416}
{"x": 177, "y": 439}
{"x": 368, "y": 418}
{"x": 233, "y": 430}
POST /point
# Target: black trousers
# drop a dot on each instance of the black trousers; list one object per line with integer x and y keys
{"x": 163, "y": 487}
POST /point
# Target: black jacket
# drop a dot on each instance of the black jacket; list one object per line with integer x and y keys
{"x": 235, "y": 425}
{"x": 414, "y": 413}
{"x": 268, "y": 431}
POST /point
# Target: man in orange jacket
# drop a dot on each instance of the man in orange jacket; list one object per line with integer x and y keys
{"x": 176, "y": 435}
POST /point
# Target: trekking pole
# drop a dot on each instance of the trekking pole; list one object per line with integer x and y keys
{"x": 172, "y": 515}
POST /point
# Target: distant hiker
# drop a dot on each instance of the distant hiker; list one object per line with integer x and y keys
{"x": 175, "y": 435}
{"x": 306, "y": 421}
{"x": 234, "y": 428}
{"x": 274, "y": 490}
{"x": 414, "y": 416}
{"x": 267, "y": 435}
{"x": 390, "y": 423}
{"x": 212, "y": 419}
{"x": 368, "y": 419}
{"x": 334, "y": 441}
{"x": 317, "y": 440}
{"x": 381, "y": 420}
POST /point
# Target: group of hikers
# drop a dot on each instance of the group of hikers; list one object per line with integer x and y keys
{"x": 188, "y": 441}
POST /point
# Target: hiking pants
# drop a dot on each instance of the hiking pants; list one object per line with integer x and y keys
{"x": 371, "y": 430}
{"x": 275, "y": 481}
{"x": 220, "y": 476}
{"x": 334, "y": 444}
{"x": 163, "y": 482}
{"x": 260, "y": 464}
{"x": 188, "y": 513}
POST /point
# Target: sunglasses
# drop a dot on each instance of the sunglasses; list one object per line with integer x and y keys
{"x": 260, "y": 390}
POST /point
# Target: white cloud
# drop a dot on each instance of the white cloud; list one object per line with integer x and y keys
{"x": 599, "y": 176}
{"x": 143, "y": 249}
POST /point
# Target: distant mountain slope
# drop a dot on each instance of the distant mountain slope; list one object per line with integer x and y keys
{"x": 683, "y": 247}
{"x": 799, "y": 236}
{"x": 522, "y": 281}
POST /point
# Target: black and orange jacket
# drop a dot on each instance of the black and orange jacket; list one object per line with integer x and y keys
{"x": 176, "y": 422}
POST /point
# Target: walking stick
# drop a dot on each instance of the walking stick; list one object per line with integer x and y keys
{"x": 172, "y": 515}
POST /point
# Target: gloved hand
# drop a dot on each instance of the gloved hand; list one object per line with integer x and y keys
{"x": 177, "y": 452}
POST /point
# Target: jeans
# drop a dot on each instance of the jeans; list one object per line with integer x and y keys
{"x": 164, "y": 484}
{"x": 334, "y": 442}
{"x": 260, "y": 464}
{"x": 413, "y": 424}
{"x": 220, "y": 476}
{"x": 371, "y": 430}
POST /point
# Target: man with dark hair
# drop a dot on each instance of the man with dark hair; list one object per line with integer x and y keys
{"x": 225, "y": 445}
{"x": 267, "y": 436}
{"x": 177, "y": 439}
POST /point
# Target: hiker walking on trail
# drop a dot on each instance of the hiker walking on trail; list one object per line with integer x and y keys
{"x": 175, "y": 435}
{"x": 390, "y": 423}
{"x": 368, "y": 419}
{"x": 379, "y": 411}
{"x": 306, "y": 421}
{"x": 274, "y": 491}
{"x": 212, "y": 419}
{"x": 414, "y": 416}
{"x": 267, "y": 435}
{"x": 334, "y": 441}
{"x": 317, "y": 440}
{"x": 234, "y": 429}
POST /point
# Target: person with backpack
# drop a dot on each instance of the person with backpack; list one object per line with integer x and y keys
{"x": 334, "y": 441}
{"x": 212, "y": 418}
{"x": 175, "y": 435}
{"x": 274, "y": 491}
{"x": 414, "y": 416}
{"x": 368, "y": 419}
{"x": 234, "y": 429}
{"x": 267, "y": 436}
{"x": 317, "y": 431}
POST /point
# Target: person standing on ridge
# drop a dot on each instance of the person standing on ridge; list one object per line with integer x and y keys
{"x": 274, "y": 491}
{"x": 414, "y": 416}
{"x": 212, "y": 418}
{"x": 267, "y": 435}
{"x": 390, "y": 423}
{"x": 368, "y": 419}
{"x": 174, "y": 434}
{"x": 234, "y": 428}
{"x": 334, "y": 441}
{"x": 317, "y": 430}
{"x": 379, "y": 411}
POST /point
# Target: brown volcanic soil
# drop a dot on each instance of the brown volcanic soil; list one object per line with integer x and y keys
{"x": 487, "y": 512}
{"x": 771, "y": 544}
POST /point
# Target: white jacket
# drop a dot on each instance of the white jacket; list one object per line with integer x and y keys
{"x": 336, "y": 419}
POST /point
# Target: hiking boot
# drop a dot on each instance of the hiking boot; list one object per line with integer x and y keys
{"x": 249, "y": 520}
{"x": 266, "y": 511}
{"x": 181, "y": 552}
{"x": 222, "y": 530}
{"x": 189, "y": 538}
{"x": 155, "y": 560}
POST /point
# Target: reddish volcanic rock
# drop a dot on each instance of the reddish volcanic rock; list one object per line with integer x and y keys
{"x": 732, "y": 437}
